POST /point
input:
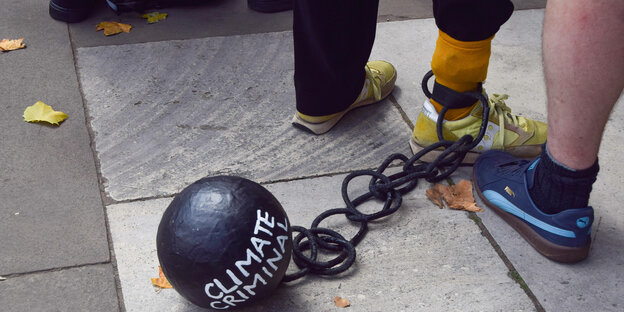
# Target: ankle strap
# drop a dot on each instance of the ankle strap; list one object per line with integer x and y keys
{"x": 448, "y": 97}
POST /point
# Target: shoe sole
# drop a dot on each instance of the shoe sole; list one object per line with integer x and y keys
{"x": 323, "y": 127}
{"x": 62, "y": 14}
{"x": 524, "y": 152}
{"x": 469, "y": 159}
{"x": 270, "y": 6}
{"x": 545, "y": 247}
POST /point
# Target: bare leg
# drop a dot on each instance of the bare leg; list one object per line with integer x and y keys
{"x": 583, "y": 51}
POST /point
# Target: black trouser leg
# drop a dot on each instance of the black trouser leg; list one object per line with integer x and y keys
{"x": 333, "y": 40}
{"x": 471, "y": 20}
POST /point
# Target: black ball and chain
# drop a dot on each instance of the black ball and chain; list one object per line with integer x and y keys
{"x": 225, "y": 242}
{"x": 388, "y": 189}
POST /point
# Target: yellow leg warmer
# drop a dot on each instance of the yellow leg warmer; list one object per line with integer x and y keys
{"x": 460, "y": 65}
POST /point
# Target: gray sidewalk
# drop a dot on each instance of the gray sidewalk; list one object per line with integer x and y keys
{"x": 209, "y": 91}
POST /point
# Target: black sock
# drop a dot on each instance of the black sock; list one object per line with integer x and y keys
{"x": 557, "y": 187}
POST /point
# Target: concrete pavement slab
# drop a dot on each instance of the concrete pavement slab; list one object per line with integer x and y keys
{"x": 420, "y": 258}
{"x": 165, "y": 114}
{"x": 51, "y": 212}
{"x": 88, "y": 288}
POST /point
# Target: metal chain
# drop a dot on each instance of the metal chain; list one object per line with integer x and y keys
{"x": 388, "y": 189}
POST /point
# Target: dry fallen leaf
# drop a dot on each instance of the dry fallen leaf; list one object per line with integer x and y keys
{"x": 341, "y": 302}
{"x": 112, "y": 28}
{"x": 161, "y": 281}
{"x": 10, "y": 45}
{"x": 41, "y": 112}
{"x": 457, "y": 196}
{"x": 154, "y": 17}
{"x": 436, "y": 194}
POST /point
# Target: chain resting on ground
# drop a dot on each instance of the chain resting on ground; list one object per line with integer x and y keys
{"x": 388, "y": 189}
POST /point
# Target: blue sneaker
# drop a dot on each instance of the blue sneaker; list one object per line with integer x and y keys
{"x": 503, "y": 182}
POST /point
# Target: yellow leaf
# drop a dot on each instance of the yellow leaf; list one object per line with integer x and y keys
{"x": 39, "y": 112}
{"x": 113, "y": 28}
{"x": 161, "y": 281}
{"x": 10, "y": 45}
{"x": 154, "y": 17}
{"x": 457, "y": 196}
{"x": 341, "y": 302}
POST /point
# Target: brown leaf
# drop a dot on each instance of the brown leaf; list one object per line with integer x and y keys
{"x": 341, "y": 302}
{"x": 10, "y": 45}
{"x": 112, "y": 28}
{"x": 457, "y": 196}
{"x": 161, "y": 281}
{"x": 436, "y": 196}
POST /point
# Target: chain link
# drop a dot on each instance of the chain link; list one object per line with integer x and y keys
{"x": 388, "y": 189}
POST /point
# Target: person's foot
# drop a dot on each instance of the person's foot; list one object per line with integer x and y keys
{"x": 504, "y": 183}
{"x": 120, "y": 6}
{"x": 520, "y": 136}
{"x": 70, "y": 11}
{"x": 380, "y": 79}
{"x": 270, "y": 6}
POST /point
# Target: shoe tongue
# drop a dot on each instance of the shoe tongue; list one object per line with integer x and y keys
{"x": 530, "y": 173}
{"x": 478, "y": 110}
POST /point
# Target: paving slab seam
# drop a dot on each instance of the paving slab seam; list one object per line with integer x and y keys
{"x": 513, "y": 273}
{"x": 270, "y": 182}
{"x": 398, "y": 107}
{"x": 113, "y": 261}
{"x": 330, "y": 174}
{"x": 180, "y": 40}
{"x": 59, "y": 269}
{"x": 595, "y": 235}
{"x": 98, "y": 166}
{"x": 103, "y": 197}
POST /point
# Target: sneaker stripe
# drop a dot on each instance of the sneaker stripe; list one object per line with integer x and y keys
{"x": 501, "y": 202}
{"x": 112, "y": 5}
{"x": 429, "y": 110}
{"x": 490, "y": 132}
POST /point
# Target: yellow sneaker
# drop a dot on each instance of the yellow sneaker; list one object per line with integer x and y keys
{"x": 380, "y": 79}
{"x": 520, "y": 136}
